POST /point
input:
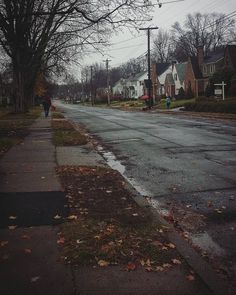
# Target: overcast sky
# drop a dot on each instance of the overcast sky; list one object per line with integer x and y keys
{"x": 127, "y": 45}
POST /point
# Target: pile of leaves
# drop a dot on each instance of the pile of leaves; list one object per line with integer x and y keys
{"x": 107, "y": 227}
{"x": 65, "y": 134}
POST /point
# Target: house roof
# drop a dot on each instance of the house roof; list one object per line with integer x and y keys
{"x": 137, "y": 76}
{"x": 181, "y": 69}
{"x": 232, "y": 53}
{"x": 161, "y": 67}
{"x": 169, "y": 79}
{"x": 214, "y": 57}
{"x": 195, "y": 67}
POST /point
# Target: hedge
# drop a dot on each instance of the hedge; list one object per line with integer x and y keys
{"x": 223, "y": 106}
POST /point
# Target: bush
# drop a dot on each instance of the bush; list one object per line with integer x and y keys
{"x": 181, "y": 94}
{"x": 223, "y": 106}
{"x": 206, "y": 99}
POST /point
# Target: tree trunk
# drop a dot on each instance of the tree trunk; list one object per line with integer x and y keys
{"x": 22, "y": 89}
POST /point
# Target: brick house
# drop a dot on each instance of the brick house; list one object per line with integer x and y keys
{"x": 170, "y": 85}
{"x": 194, "y": 81}
{"x": 200, "y": 69}
{"x": 230, "y": 57}
{"x": 158, "y": 76}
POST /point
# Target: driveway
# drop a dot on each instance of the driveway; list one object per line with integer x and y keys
{"x": 184, "y": 165}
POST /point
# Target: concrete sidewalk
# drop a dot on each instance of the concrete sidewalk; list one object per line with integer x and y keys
{"x": 30, "y": 261}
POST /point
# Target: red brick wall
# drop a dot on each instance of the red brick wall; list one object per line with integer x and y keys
{"x": 189, "y": 78}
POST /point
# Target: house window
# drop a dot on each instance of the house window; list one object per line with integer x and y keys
{"x": 175, "y": 77}
{"x": 204, "y": 69}
{"x": 212, "y": 69}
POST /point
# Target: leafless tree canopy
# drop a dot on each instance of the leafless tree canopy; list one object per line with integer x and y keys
{"x": 208, "y": 30}
{"x": 39, "y": 34}
{"x": 162, "y": 47}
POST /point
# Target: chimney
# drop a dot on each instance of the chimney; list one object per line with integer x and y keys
{"x": 200, "y": 55}
{"x": 173, "y": 63}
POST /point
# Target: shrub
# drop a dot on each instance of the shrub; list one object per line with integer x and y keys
{"x": 223, "y": 106}
{"x": 181, "y": 94}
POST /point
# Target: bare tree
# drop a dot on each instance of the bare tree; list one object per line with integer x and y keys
{"x": 162, "y": 50}
{"x": 38, "y": 34}
{"x": 208, "y": 30}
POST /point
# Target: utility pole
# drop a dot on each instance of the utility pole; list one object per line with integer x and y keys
{"x": 108, "y": 86}
{"x": 91, "y": 84}
{"x": 149, "y": 63}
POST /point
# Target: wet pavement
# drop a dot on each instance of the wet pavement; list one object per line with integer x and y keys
{"x": 186, "y": 165}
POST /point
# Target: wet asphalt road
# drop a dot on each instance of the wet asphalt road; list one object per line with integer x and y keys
{"x": 185, "y": 164}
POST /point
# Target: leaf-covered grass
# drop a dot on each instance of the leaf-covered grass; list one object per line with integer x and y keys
{"x": 6, "y": 143}
{"x": 106, "y": 226}
{"x": 57, "y": 115}
{"x": 68, "y": 138}
{"x": 64, "y": 134}
{"x": 14, "y": 127}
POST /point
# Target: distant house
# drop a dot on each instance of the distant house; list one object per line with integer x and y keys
{"x": 230, "y": 57}
{"x": 131, "y": 88}
{"x": 212, "y": 63}
{"x": 200, "y": 69}
{"x": 169, "y": 85}
{"x": 178, "y": 73}
{"x": 136, "y": 85}
{"x": 158, "y": 76}
{"x": 118, "y": 89}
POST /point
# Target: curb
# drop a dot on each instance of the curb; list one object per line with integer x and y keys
{"x": 194, "y": 260}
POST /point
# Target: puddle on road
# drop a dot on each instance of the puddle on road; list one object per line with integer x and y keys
{"x": 156, "y": 204}
{"x": 116, "y": 165}
{"x": 202, "y": 240}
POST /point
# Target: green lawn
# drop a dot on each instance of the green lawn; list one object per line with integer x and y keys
{"x": 174, "y": 103}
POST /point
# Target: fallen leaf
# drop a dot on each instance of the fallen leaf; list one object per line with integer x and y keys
{"x": 164, "y": 248}
{"x": 218, "y": 211}
{"x": 108, "y": 192}
{"x": 25, "y": 237}
{"x": 72, "y": 217}
{"x": 130, "y": 266}
{"x": 190, "y": 278}
{"x": 166, "y": 265}
{"x": 135, "y": 214}
{"x": 57, "y": 217}
{"x": 3, "y": 243}
{"x": 79, "y": 242}
{"x": 176, "y": 261}
{"x": 159, "y": 268}
{"x": 11, "y": 227}
{"x": 34, "y": 279}
{"x": 103, "y": 263}
{"x": 142, "y": 262}
{"x": 12, "y": 217}
{"x": 43, "y": 177}
{"x": 170, "y": 245}
{"x": 61, "y": 241}
{"x": 27, "y": 251}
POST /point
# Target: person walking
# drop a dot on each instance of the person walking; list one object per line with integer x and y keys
{"x": 46, "y": 104}
{"x": 168, "y": 102}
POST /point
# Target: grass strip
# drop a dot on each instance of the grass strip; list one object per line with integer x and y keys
{"x": 106, "y": 226}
